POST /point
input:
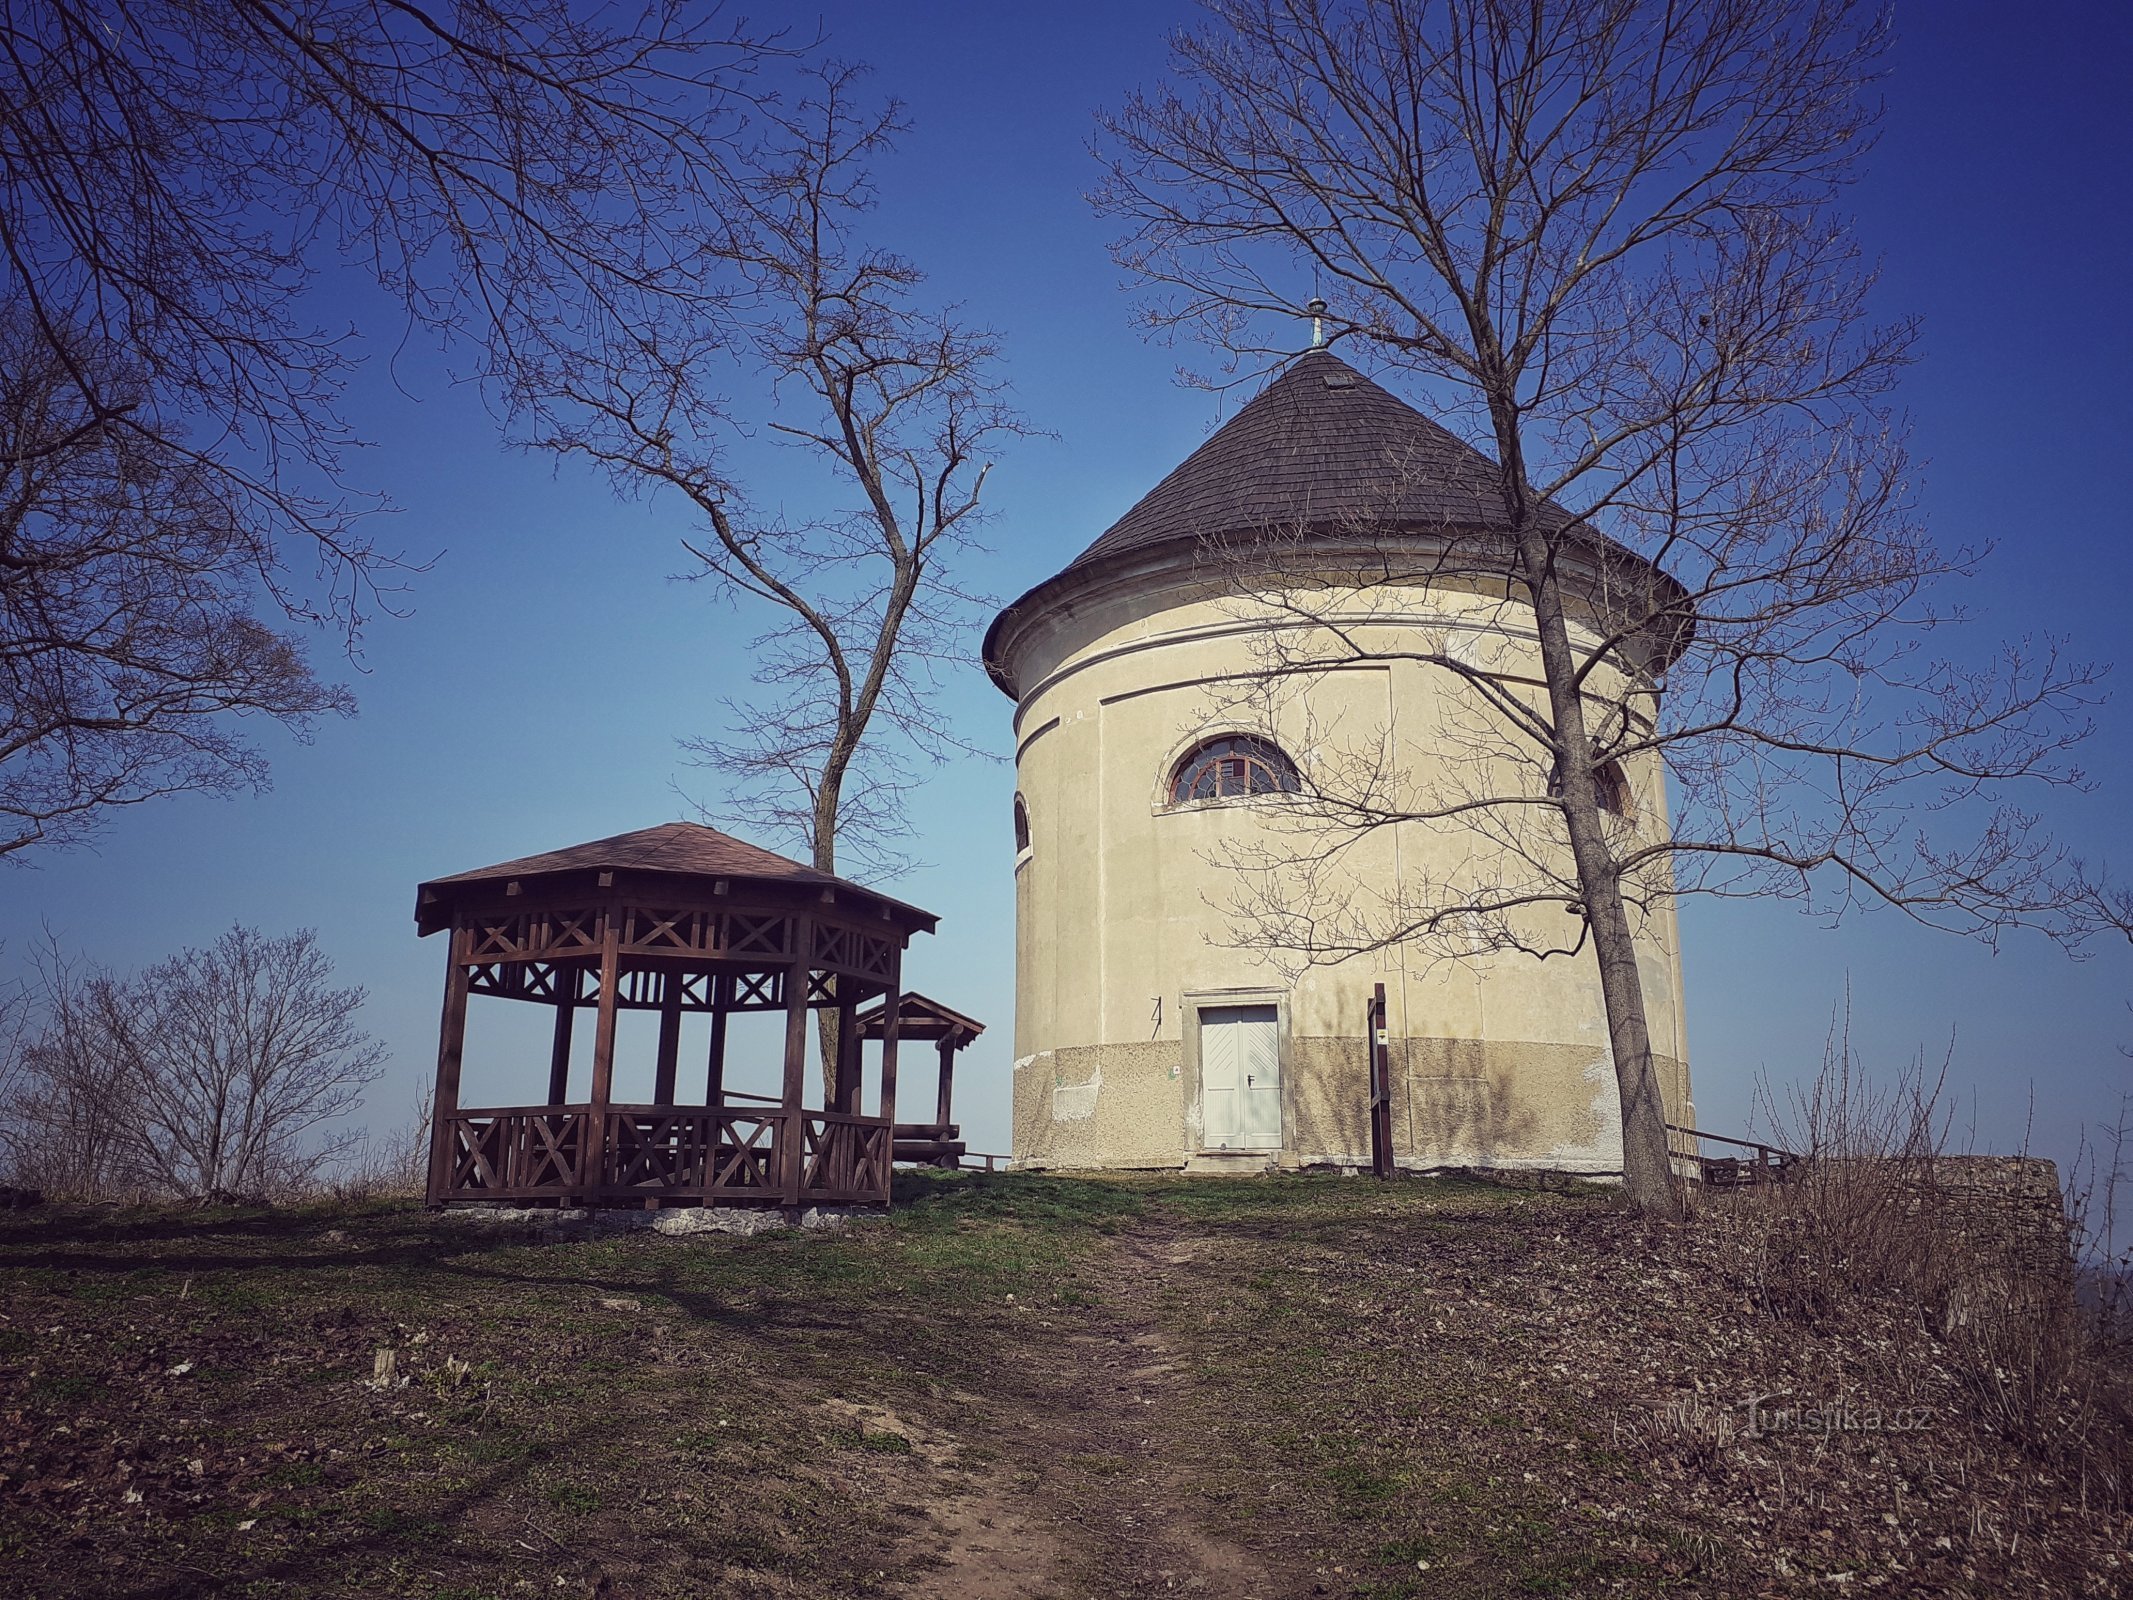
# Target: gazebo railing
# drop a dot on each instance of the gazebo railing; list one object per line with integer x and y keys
{"x": 845, "y": 1154}
{"x": 724, "y": 1153}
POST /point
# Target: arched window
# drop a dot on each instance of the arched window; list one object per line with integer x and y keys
{"x": 1613, "y": 788}
{"x": 1236, "y": 764}
{"x": 1021, "y": 826}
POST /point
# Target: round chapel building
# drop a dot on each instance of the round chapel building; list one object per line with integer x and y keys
{"x": 1145, "y": 1036}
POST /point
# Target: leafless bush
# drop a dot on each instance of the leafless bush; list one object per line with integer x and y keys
{"x": 70, "y": 1104}
{"x": 1850, "y": 1219}
{"x": 2098, "y": 1198}
{"x": 1975, "y": 1251}
{"x": 392, "y": 1165}
{"x": 216, "y": 1072}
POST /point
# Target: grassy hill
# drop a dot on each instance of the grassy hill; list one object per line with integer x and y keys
{"x": 1015, "y": 1387}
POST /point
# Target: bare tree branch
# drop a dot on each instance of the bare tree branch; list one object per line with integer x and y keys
{"x": 532, "y": 183}
{"x": 898, "y": 409}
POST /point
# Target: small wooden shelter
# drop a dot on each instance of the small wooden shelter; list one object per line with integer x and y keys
{"x": 939, "y": 1142}
{"x": 674, "y": 919}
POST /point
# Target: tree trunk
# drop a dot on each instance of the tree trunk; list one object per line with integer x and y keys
{"x": 825, "y": 860}
{"x": 1647, "y": 1170}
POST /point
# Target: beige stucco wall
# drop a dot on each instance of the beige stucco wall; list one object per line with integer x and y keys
{"x": 1125, "y": 913}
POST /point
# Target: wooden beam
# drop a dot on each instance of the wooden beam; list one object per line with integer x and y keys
{"x": 715, "y": 1067}
{"x": 451, "y": 1048}
{"x": 669, "y": 1038}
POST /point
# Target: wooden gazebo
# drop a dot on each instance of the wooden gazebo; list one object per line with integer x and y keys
{"x": 919, "y": 1017}
{"x": 673, "y": 919}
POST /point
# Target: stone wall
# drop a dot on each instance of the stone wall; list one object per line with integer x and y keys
{"x": 2009, "y": 1209}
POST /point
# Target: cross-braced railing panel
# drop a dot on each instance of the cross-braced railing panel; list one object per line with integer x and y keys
{"x": 527, "y": 980}
{"x": 535, "y": 935}
{"x": 721, "y": 1154}
{"x": 748, "y": 1157}
{"x": 843, "y": 1157}
{"x": 517, "y": 1154}
{"x": 877, "y": 957}
{"x": 760, "y": 934}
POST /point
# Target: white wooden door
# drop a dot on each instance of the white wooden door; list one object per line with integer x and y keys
{"x": 1240, "y": 1078}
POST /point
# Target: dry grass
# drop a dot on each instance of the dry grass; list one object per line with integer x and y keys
{"x": 1980, "y": 1253}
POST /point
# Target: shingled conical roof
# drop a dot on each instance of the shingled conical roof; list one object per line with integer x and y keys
{"x": 1321, "y": 449}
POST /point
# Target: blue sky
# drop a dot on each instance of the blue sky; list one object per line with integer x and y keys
{"x": 535, "y": 693}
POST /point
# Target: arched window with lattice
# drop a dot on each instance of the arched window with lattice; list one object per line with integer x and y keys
{"x": 1232, "y": 767}
{"x": 1612, "y": 786}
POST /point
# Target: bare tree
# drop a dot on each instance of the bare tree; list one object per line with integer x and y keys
{"x": 899, "y": 407}
{"x": 530, "y": 182}
{"x": 131, "y": 578}
{"x": 240, "y": 1053}
{"x": 214, "y": 1072}
{"x": 1604, "y": 233}
{"x": 68, "y": 1109}
{"x": 67, "y": 1104}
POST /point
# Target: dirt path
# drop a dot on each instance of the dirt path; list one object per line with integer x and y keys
{"x": 1087, "y": 1487}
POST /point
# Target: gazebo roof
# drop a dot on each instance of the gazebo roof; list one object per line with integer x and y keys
{"x": 672, "y": 849}
{"x": 1321, "y": 452}
{"x": 919, "y": 1017}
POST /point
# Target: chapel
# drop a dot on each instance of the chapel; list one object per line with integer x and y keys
{"x": 1147, "y": 1034}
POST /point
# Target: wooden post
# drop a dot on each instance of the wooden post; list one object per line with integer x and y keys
{"x": 795, "y": 1090}
{"x": 594, "y": 1162}
{"x": 1380, "y": 1087}
{"x": 566, "y": 1013}
{"x": 942, "y": 1109}
{"x": 891, "y": 1026}
{"x": 715, "y": 1067}
{"x": 669, "y": 1038}
{"x": 451, "y": 1048}
{"x": 603, "y": 1074}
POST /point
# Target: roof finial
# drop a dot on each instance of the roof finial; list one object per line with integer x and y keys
{"x": 1317, "y": 308}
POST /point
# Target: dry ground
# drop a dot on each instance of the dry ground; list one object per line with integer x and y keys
{"x": 1018, "y": 1387}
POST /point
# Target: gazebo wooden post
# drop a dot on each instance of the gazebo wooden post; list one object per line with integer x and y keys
{"x": 593, "y": 1163}
{"x": 566, "y": 1014}
{"x": 891, "y": 1026}
{"x": 946, "y": 1047}
{"x": 848, "y": 1057}
{"x": 669, "y": 1037}
{"x": 451, "y": 1047}
{"x": 792, "y": 1151}
{"x": 715, "y": 1066}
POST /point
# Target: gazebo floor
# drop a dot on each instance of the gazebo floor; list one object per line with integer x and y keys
{"x": 728, "y": 1154}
